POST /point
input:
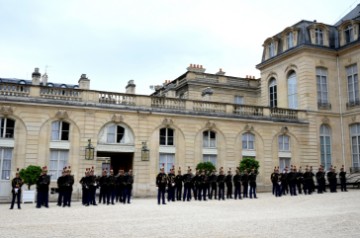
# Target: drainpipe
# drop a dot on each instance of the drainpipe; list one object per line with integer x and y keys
{"x": 341, "y": 112}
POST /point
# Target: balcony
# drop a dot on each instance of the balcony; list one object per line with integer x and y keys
{"x": 78, "y": 97}
{"x": 324, "y": 106}
{"x": 352, "y": 104}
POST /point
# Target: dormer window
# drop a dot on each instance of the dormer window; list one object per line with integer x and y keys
{"x": 349, "y": 34}
{"x": 63, "y": 86}
{"x": 290, "y": 40}
{"x": 50, "y": 85}
{"x": 271, "y": 49}
{"x": 319, "y": 37}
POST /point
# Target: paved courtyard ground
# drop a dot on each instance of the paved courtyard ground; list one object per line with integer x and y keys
{"x": 318, "y": 215}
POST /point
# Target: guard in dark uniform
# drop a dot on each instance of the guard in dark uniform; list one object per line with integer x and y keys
{"x": 171, "y": 185}
{"x": 342, "y": 176}
{"x": 307, "y": 181}
{"x": 213, "y": 185}
{"x": 42, "y": 186}
{"x": 277, "y": 179}
{"x": 195, "y": 184}
{"x": 129, "y": 180}
{"x": 161, "y": 183}
{"x": 178, "y": 185}
{"x": 203, "y": 185}
{"x": 61, "y": 188}
{"x": 245, "y": 183}
{"x": 312, "y": 183}
{"x": 237, "y": 184}
{"x": 331, "y": 176}
{"x": 320, "y": 179}
{"x": 68, "y": 187}
{"x": 187, "y": 178}
{"x": 16, "y": 184}
{"x": 252, "y": 182}
{"x": 292, "y": 180}
{"x": 103, "y": 187}
{"x": 221, "y": 184}
{"x": 284, "y": 182}
{"x": 120, "y": 185}
{"x": 93, "y": 184}
{"x": 85, "y": 188}
{"x": 229, "y": 184}
{"x": 111, "y": 189}
{"x": 299, "y": 180}
{"x": 274, "y": 180}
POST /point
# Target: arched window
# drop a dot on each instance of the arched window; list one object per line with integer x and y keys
{"x": 325, "y": 146}
{"x": 115, "y": 134}
{"x": 273, "y": 93}
{"x": 248, "y": 141}
{"x": 60, "y": 130}
{"x": 166, "y": 136}
{"x": 7, "y": 127}
{"x": 292, "y": 91}
{"x": 284, "y": 143}
{"x": 209, "y": 139}
{"x": 355, "y": 144}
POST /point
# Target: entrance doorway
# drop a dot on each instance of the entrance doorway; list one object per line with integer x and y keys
{"x": 118, "y": 160}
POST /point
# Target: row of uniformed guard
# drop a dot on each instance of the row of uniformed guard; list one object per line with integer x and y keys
{"x": 205, "y": 186}
{"x": 297, "y": 181}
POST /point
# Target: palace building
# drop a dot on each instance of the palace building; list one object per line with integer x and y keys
{"x": 304, "y": 110}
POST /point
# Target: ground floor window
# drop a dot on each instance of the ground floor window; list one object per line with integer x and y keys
{"x": 58, "y": 160}
{"x": 210, "y": 158}
{"x": 283, "y": 163}
{"x": 5, "y": 163}
{"x": 167, "y": 161}
{"x": 355, "y": 144}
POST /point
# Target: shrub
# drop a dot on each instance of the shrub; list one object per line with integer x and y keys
{"x": 207, "y": 166}
{"x": 247, "y": 163}
{"x": 30, "y": 175}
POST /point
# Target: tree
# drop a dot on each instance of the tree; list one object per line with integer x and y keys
{"x": 247, "y": 163}
{"x": 207, "y": 166}
{"x": 30, "y": 175}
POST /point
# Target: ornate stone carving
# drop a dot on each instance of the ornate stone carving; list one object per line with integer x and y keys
{"x": 117, "y": 118}
{"x": 167, "y": 122}
{"x": 284, "y": 130}
{"x": 248, "y": 128}
{"x": 62, "y": 114}
{"x": 325, "y": 120}
{"x": 6, "y": 110}
{"x": 210, "y": 125}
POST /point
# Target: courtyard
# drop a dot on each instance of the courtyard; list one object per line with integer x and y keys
{"x": 317, "y": 215}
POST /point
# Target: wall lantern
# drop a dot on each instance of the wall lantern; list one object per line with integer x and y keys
{"x": 145, "y": 152}
{"x": 89, "y": 151}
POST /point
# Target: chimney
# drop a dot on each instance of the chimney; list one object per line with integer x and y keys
{"x": 221, "y": 72}
{"x": 36, "y": 77}
{"x": 130, "y": 87}
{"x": 196, "y": 68}
{"x": 44, "y": 79}
{"x": 84, "y": 82}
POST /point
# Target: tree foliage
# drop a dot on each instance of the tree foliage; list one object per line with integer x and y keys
{"x": 247, "y": 163}
{"x": 207, "y": 166}
{"x": 30, "y": 175}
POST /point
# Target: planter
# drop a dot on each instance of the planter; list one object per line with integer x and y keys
{"x": 28, "y": 196}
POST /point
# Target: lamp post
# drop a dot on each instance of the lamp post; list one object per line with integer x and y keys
{"x": 89, "y": 151}
{"x": 145, "y": 152}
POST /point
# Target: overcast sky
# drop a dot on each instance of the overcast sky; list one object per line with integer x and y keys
{"x": 149, "y": 41}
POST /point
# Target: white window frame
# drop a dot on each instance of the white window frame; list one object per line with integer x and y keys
{"x": 167, "y": 138}
{"x": 208, "y": 141}
{"x": 273, "y": 93}
{"x": 325, "y": 146}
{"x": 167, "y": 161}
{"x": 290, "y": 40}
{"x": 283, "y": 163}
{"x": 349, "y": 34}
{"x": 292, "y": 91}
{"x": 355, "y": 144}
{"x": 353, "y": 83}
{"x": 6, "y": 132}
{"x": 322, "y": 85}
{"x": 6, "y": 156}
{"x": 319, "y": 36}
{"x": 57, "y": 161}
{"x": 248, "y": 141}
{"x": 271, "y": 49}
{"x": 112, "y": 136}
{"x": 284, "y": 143}
{"x": 57, "y": 131}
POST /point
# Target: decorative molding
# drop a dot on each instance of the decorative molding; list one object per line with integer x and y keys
{"x": 167, "y": 122}
{"x": 210, "y": 125}
{"x": 115, "y": 147}
{"x": 284, "y": 130}
{"x": 283, "y": 154}
{"x": 62, "y": 145}
{"x": 167, "y": 149}
{"x": 62, "y": 114}
{"x": 290, "y": 67}
{"x": 209, "y": 151}
{"x": 117, "y": 118}
{"x": 6, "y": 110}
{"x": 248, "y": 128}
{"x": 325, "y": 120}
{"x": 7, "y": 143}
{"x": 353, "y": 118}
{"x": 249, "y": 153}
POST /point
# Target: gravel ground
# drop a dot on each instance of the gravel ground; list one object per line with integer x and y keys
{"x": 317, "y": 215}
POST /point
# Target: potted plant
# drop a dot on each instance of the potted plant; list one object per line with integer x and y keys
{"x": 207, "y": 166}
{"x": 30, "y": 175}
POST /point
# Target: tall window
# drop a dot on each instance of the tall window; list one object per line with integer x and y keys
{"x": 284, "y": 143}
{"x": 355, "y": 144}
{"x": 292, "y": 91}
{"x": 290, "y": 40}
{"x": 115, "y": 134}
{"x": 58, "y": 160}
{"x": 349, "y": 34}
{"x": 7, "y": 128}
{"x": 248, "y": 141}
{"x": 209, "y": 139}
{"x": 5, "y": 163}
{"x": 283, "y": 163}
{"x": 271, "y": 49}
{"x": 60, "y": 130}
{"x": 319, "y": 39}
{"x": 167, "y": 161}
{"x": 353, "y": 84}
{"x": 321, "y": 81}
{"x": 325, "y": 146}
{"x": 239, "y": 100}
{"x": 210, "y": 158}
{"x": 166, "y": 136}
{"x": 273, "y": 93}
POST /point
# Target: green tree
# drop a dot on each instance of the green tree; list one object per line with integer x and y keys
{"x": 207, "y": 166}
{"x": 30, "y": 175}
{"x": 247, "y": 163}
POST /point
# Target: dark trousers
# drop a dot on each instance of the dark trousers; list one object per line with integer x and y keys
{"x": 127, "y": 196}
{"x": 178, "y": 192}
{"x": 245, "y": 190}
{"x": 229, "y": 190}
{"x": 195, "y": 189}
{"x": 161, "y": 195}
{"x": 221, "y": 194}
{"x": 298, "y": 184}
{"x": 67, "y": 197}
{"x": 60, "y": 197}
{"x": 202, "y": 192}
{"x": 187, "y": 193}
{"x": 237, "y": 191}
{"x": 213, "y": 191}
{"x": 110, "y": 196}
{"x": 293, "y": 189}
{"x": 102, "y": 195}
{"x": 343, "y": 185}
{"x": 42, "y": 199}
{"x": 171, "y": 193}
{"x": 277, "y": 190}
{"x": 120, "y": 194}
{"x": 274, "y": 188}
{"x": 16, "y": 196}
{"x": 252, "y": 190}
{"x": 92, "y": 195}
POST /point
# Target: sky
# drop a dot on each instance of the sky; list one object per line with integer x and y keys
{"x": 148, "y": 41}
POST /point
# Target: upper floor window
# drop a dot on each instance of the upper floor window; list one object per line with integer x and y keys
{"x": 349, "y": 34}
{"x": 321, "y": 82}
{"x": 284, "y": 143}
{"x": 355, "y": 144}
{"x": 273, "y": 93}
{"x": 239, "y": 100}
{"x": 248, "y": 141}
{"x": 319, "y": 36}
{"x": 353, "y": 84}
{"x": 209, "y": 139}
{"x": 7, "y": 127}
{"x": 271, "y": 49}
{"x": 60, "y": 130}
{"x": 166, "y": 136}
{"x": 290, "y": 40}
{"x": 292, "y": 91}
{"x": 115, "y": 134}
